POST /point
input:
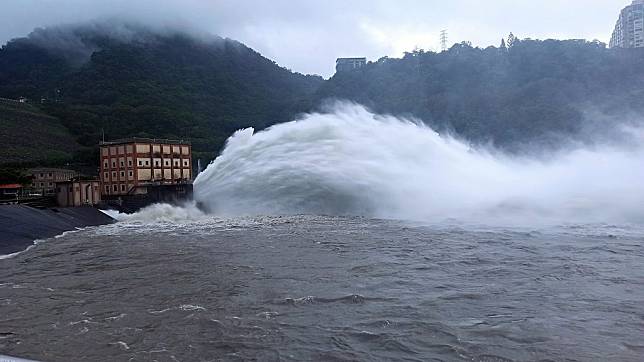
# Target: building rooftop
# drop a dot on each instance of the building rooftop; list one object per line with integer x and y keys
{"x": 49, "y": 169}
{"x": 350, "y": 59}
{"x": 123, "y": 141}
{"x": 79, "y": 179}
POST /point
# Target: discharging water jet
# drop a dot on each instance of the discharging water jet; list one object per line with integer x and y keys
{"x": 353, "y": 162}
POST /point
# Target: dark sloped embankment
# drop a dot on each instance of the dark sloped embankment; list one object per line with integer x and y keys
{"x": 21, "y": 225}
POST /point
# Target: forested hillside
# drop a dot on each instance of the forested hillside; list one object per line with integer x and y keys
{"x": 136, "y": 82}
{"x": 125, "y": 80}
{"x": 30, "y": 137}
{"x": 532, "y": 93}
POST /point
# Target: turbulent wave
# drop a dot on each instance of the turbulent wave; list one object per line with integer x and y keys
{"x": 353, "y": 162}
{"x": 160, "y": 213}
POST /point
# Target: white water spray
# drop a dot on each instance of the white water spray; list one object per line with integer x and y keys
{"x": 352, "y": 162}
{"x": 160, "y": 213}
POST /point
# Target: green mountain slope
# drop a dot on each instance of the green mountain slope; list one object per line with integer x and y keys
{"x": 154, "y": 84}
{"x": 30, "y": 137}
{"x": 536, "y": 93}
{"x": 125, "y": 80}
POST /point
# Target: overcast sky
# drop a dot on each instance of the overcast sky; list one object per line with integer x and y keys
{"x": 308, "y": 35}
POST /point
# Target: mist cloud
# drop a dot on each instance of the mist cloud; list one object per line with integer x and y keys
{"x": 324, "y": 164}
{"x": 307, "y": 36}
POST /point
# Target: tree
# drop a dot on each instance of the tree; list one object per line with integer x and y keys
{"x": 512, "y": 40}
{"x": 535, "y": 96}
{"x": 168, "y": 84}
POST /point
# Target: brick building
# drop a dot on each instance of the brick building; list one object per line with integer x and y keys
{"x": 43, "y": 179}
{"x": 131, "y": 166}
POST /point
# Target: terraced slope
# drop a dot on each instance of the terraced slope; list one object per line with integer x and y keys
{"x": 29, "y": 136}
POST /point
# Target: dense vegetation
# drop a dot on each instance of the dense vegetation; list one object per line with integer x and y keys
{"x": 30, "y": 137}
{"x": 532, "y": 92}
{"x": 163, "y": 85}
{"x": 123, "y": 80}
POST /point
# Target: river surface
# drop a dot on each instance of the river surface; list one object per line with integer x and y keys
{"x": 326, "y": 288}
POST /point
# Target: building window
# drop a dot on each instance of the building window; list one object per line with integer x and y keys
{"x": 42, "y": 175}
{"x": 115, "y": 188}
{"x": 50, "y": 174}
{"x": 131, "y": 174}
{"x": 122, "y": 164}
{"x": 147, "y": 163}
{"x": 123, "y": 188}
{"x": 129, "y": 163}
{"x": 140, "y": 163}
{"x": 113, "y": 164}
{"x": 107, "y": 189}
{"x": 106, "y": 164}
{"x": 122, "y": 173}
{"x": 113, "y": 175}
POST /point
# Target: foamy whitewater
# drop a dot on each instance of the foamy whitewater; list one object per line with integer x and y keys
{"x": 160, "y": 213}
{"x": 353, "y": 162}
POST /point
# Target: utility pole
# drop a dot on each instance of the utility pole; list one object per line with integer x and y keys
{"x": 443, "y": 40}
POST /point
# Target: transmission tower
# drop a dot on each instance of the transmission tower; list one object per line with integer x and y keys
{"x": 443, "y": 40}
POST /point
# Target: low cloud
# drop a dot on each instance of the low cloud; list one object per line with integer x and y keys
{"x": 307, "y": 36}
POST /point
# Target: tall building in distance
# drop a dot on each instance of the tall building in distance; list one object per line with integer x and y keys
{"x": 629, "y": 30}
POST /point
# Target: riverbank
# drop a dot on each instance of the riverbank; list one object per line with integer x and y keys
{"x": 20, "y": 225}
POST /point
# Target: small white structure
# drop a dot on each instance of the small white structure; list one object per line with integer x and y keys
{"x": 78, "y": 193}
{"x": 348, "y": 64}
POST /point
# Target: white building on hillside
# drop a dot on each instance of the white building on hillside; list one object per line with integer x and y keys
{"x": 629, "y": 30}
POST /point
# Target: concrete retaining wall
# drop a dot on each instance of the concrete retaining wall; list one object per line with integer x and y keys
{"x": 21, "y": 225}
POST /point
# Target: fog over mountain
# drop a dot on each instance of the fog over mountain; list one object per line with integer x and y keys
{"x": 76, "y": 42}
{"x": 119, "y": 79}
{"x": 124, "y": 78}
{"x": 307, "y": 36}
